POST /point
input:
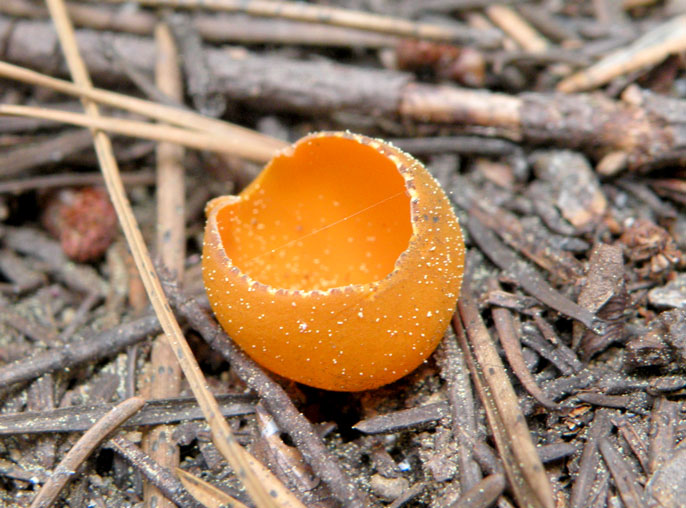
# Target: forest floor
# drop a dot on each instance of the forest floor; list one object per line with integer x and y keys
{"x": 558, "y": 130}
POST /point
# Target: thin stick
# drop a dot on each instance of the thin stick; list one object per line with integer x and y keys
{"x": 522, "y": 465}
{"x": 91, "y": 348}
{"x": 144, "y": 130}
{"x": 223, "y": 437}
{"x": 649, "y": 49}
{"x": 161, "y": 477}
{"x": 504, "y": 324}
{"x": 16, "y": 160}
{"x": 516, "y": 27}
{"x": 320, "y": 14}
{"x": 70, "y": 180}
{"x": 66, "y": 469}
{"x": 211, "y": 496}
{"x": 171, "y": 249}
{"x": 263, "y": 146}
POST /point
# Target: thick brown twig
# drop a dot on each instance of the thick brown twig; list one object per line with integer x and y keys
{"x": 641, "y": 130}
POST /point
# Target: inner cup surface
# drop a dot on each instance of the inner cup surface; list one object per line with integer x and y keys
{"x": 330, "y": 213}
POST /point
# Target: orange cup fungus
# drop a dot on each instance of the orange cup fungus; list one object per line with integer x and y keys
{"x": 339, "y": 266}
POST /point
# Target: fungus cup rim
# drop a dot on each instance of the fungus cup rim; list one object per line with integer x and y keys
{"x": 394, "y": 154}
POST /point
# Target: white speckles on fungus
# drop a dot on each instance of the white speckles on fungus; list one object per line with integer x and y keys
{"x": 338, "y": 266}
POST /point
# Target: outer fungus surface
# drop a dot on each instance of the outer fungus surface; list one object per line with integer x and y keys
{"x": 339, "y": 266}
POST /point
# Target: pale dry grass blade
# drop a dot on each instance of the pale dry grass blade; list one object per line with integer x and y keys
{"x": 207, "y": 494}
{"x": 134, "y": 128}
{"x": 258, "y": 147}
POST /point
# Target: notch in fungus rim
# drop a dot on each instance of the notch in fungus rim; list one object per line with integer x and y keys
{"x": 374, "y": 143}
